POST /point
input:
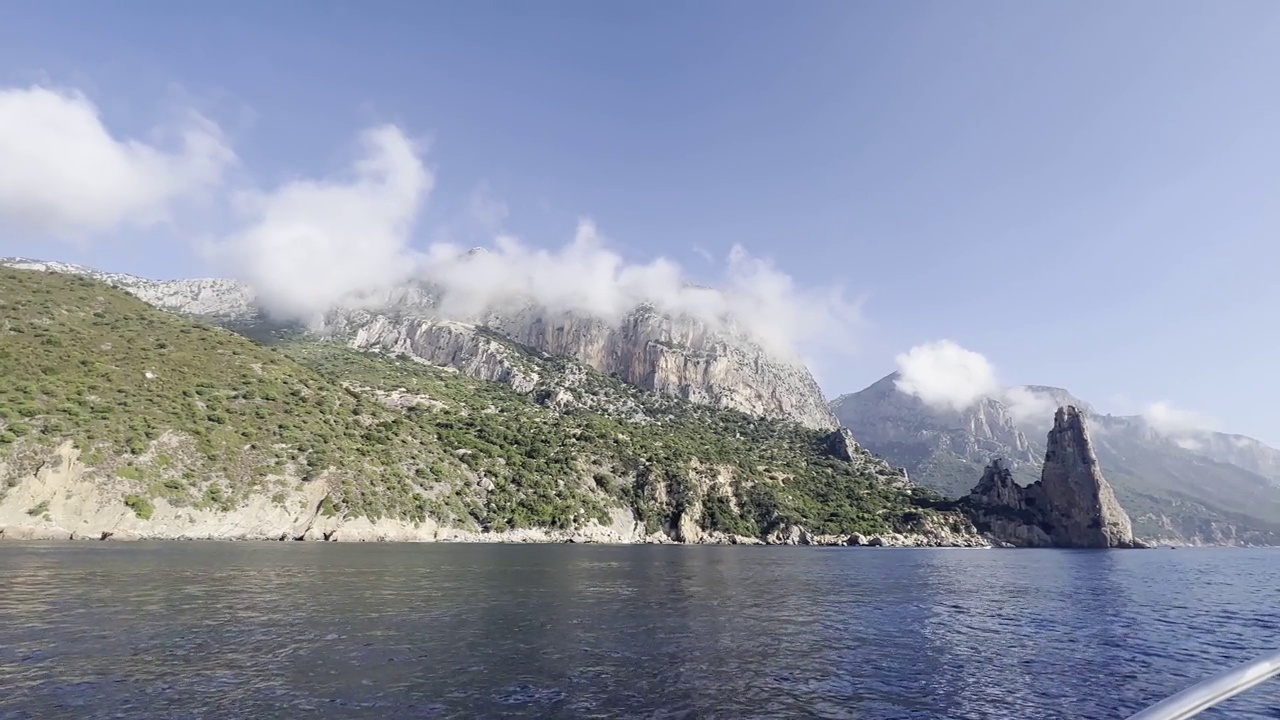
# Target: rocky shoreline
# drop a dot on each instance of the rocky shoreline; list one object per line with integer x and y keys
{"x": 63, "y": 501}
{"x": 598, "y": 535}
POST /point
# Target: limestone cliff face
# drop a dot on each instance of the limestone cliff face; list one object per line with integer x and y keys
{"x": 678, "y": 356}
{"x": 1202, "y": 487}
{"x": 1088, "y": 514}
{"x": 1072, "y": 505}
{"x": 447, "y": 344}
{"x": 673, "y": 356}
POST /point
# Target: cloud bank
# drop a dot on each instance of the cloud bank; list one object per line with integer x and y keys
{"x": 310, "y": 243}
{"x": 63, "y": 174}
{"x": 948, "y": 377}
{"x": 586, "y": 276}
{"x": 1181, "y": 426}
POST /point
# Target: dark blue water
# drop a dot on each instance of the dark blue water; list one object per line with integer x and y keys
{"x": 281, "y": 630}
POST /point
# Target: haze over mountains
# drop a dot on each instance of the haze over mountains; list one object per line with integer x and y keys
{"x": 1200, "y": 485}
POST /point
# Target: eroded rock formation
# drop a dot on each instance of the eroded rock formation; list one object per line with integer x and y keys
{"x": 1072, "y": 505}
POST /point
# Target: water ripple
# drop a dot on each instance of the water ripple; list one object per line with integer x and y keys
{"x": 235, "y": 630}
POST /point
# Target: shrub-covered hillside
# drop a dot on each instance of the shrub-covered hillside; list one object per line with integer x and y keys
{"x": 164, "y": 408}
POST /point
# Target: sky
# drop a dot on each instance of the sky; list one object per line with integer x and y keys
{"x": 984, "y": 194}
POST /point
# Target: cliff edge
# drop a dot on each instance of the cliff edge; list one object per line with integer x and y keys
{"x": 1071, "y": 506}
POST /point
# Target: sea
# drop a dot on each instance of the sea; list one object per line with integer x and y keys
{"x": 173, "y": 630}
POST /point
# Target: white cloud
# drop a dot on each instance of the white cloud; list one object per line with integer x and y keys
{"x": 1167, "y": 420}
{"x": 945, "y": 375}
{"x": 62, "y": 172}
{"x": 310, "y": 243}
{"x": 586, "y": 276}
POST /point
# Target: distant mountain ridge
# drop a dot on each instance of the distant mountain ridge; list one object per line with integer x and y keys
{"x": 678, "y": 356}
{"x": 1207, "y": 488}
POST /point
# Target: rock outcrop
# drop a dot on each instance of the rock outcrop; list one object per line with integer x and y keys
{"x": 1200, "y": 488}
{"x": 1071, "y": 506}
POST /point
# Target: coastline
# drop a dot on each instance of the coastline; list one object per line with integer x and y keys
{"x": 395, "y": 532}
{"x": 62, "y": 500}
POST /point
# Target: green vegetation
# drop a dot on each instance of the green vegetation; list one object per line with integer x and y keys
{"x": 199, "y": 415}
{"x": 780, "y": 471}
{"x": 140, "y": 506}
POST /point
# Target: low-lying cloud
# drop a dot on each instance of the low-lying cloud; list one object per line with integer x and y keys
{"x": 310, "y": 243}
{"x": 1180, "y": 425}
{"x": 64, "y": 175}
{"x": 586, "y": 276}
{"x": 946, "y": 376}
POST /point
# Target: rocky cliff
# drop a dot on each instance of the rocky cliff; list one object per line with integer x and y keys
{"x": 118, "y": 419}
{"x": 1210, "y": 488}
{"x": 673, "y": 355}
{"x": 1071, "y": 506}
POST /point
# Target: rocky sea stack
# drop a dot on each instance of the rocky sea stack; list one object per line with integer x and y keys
{"x": 1071, "y": 506}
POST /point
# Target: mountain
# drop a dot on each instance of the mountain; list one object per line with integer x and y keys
{"x": 675, "y": 355}
{"x": 947, "y": 449}
{"x": 1171, "y": 488}
{"x": 1244, "y": 452}
{"x": 120, "y": 419}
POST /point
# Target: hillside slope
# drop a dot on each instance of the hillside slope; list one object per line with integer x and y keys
{"x": 1170, "y": 489}
{"x": 118, "y": 417}
{"x": 676, "y": 355}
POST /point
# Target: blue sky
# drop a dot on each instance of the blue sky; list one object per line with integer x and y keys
{"x": 1084, "y": 193}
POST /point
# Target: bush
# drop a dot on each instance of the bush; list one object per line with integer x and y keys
{"x": 141, "y": 506}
